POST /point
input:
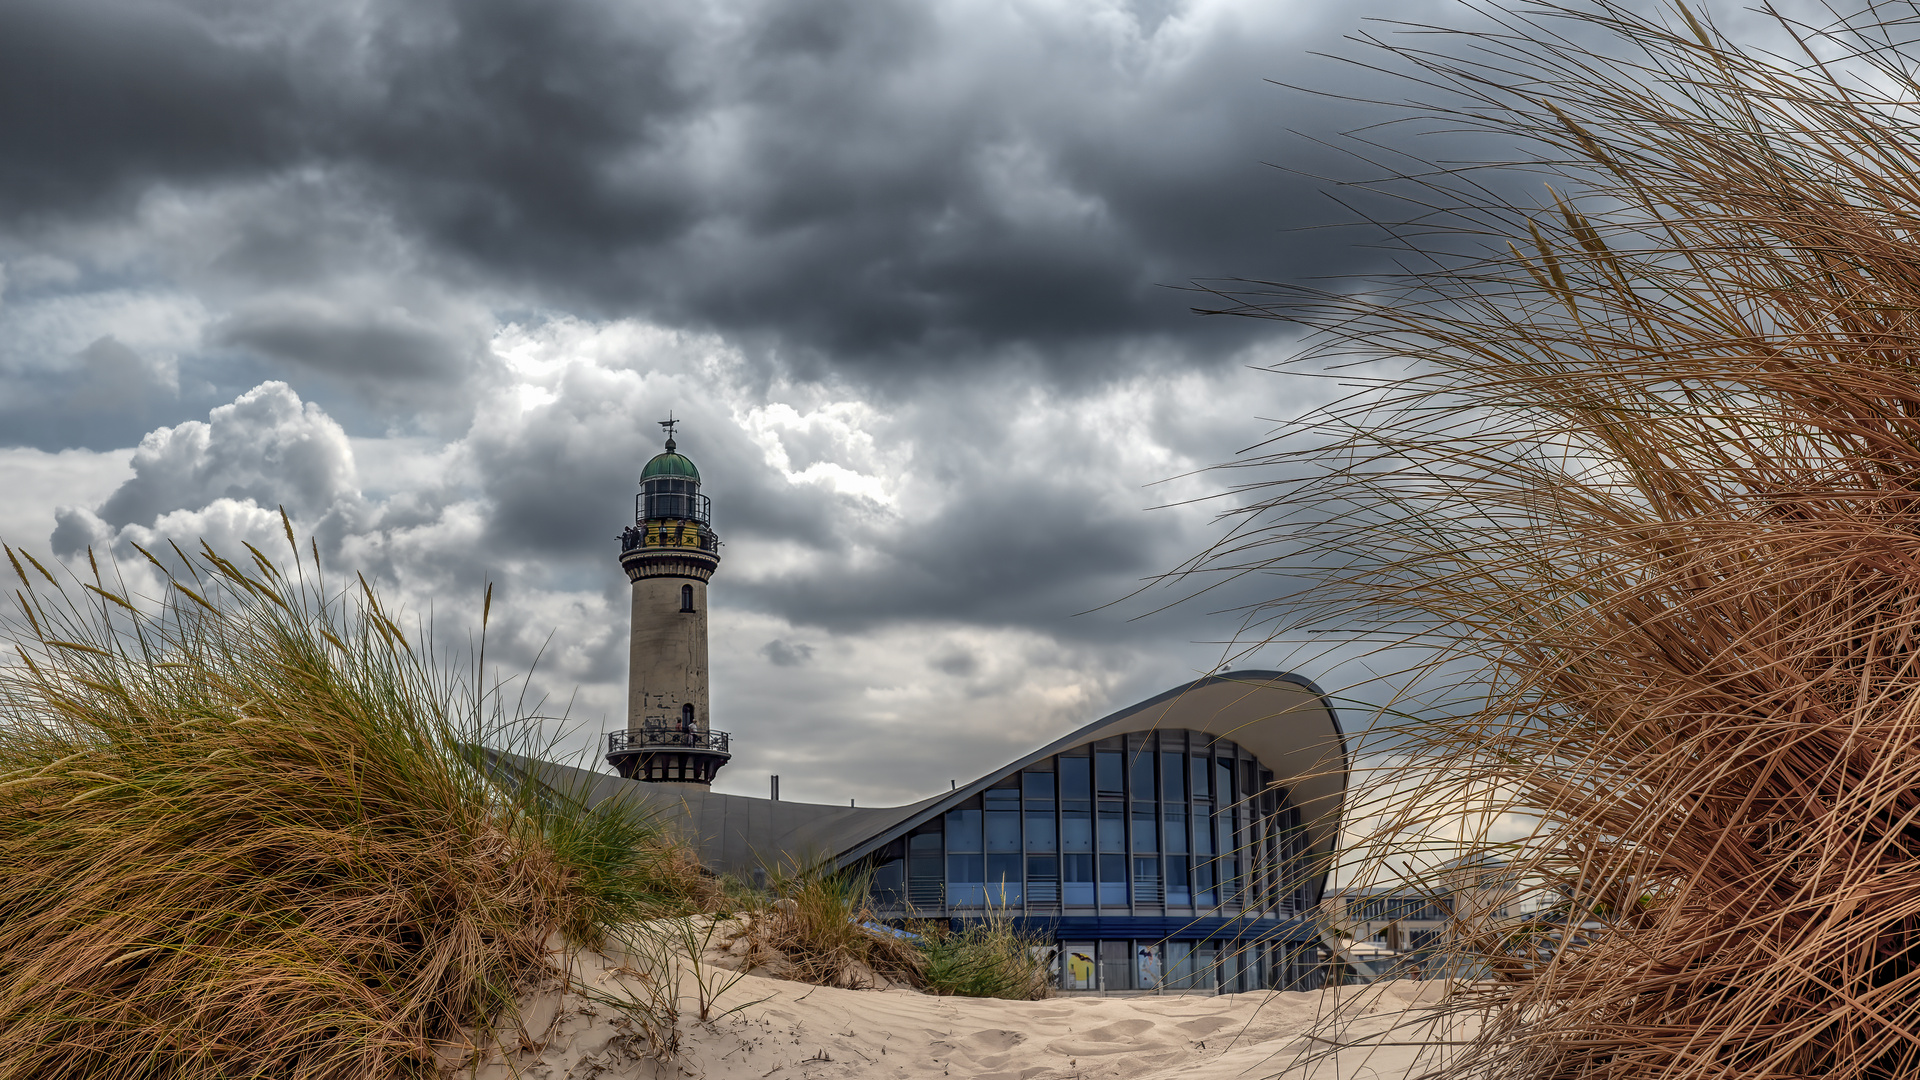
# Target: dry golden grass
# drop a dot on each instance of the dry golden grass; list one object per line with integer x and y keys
{"x": 243, "y": 834}
{"x": 1649, "y": 472}
{"x": 813, "y": 934}
{"x": 823, "y": 931}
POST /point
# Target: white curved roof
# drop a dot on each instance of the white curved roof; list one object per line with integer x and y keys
{"x": 1281, "y": 719}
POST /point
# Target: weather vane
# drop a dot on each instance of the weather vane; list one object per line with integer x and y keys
{"x": 668, "y": 425}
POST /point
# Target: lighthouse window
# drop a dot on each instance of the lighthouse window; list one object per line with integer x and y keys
{"x": 686, "y": 598}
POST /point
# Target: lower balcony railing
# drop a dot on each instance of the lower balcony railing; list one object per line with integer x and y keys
{"x": 668, "y": 738}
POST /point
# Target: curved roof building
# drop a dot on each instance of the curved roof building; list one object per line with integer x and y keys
{"x": 1179, "y": 843}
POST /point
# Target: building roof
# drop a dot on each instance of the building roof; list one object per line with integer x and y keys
{"x": 1282, "y": 719}
{"x": 669, "y": 464}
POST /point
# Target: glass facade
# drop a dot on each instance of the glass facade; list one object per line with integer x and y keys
{"x": 1394, "y": 906}
{"x": 1170, "y": 824}
{"x": 1183, "y": 966}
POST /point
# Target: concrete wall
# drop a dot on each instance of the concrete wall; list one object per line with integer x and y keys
{"x": 668, "y": 663}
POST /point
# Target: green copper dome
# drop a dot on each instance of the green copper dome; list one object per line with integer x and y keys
{"x": 669, "y": 464}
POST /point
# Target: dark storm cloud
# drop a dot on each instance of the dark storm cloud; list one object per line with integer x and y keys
{"x": 100, "y": 99}
{"x": 386, "y": 343}
{"x": 787, "y": 653}
{"x": 105, "y": 394}
{"x": 426, "y": 271}
{"x": 875, "y": 187}
{"x": 1009, "y": 551}
{"x": 817, "y": 176}
{"x": 958, "y": 662}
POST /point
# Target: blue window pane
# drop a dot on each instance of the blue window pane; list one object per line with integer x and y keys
{"x": 1173, "y": 774}
{"x": 1076, "y": 832}
{"x": 1003, "y": 831}
{"x": 1113, "y": 880}
{"x": 1203, "y": 893}
{"x": 1037, "y": 785}
{"x": 1199, "y": 773}
{"x": 1003, "y": 799}
{"x": 1113, "y": 829}
{"x": 1108, "y": 771}
{"x": 963, "y": 830}
{"x": 1177, "y": 832}
{"x": 924, "y": 856}
{"x": 1076, "y": 779}
{"x": 1144, "y": 838}
{"x": 890, "y": 883}
{"x": 1042, "y": 867}
{"x": 1223, "y": 781}
{"x": 1003, "y": 880}
{"x": 1143, "y": 775}
{"x": 1146, "y": 876}
{"x": 1202, "y": 835}
{"x": 1077, "y": 883}
{"x": 1177, "y": 888}
{"x": 1040, "y": 832}
{"x": 966, "y": 880}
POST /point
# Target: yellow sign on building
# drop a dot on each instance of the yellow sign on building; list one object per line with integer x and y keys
{"x": 1079, "y": 970}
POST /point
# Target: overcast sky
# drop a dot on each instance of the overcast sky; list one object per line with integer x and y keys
{"x": 427, "y": 272}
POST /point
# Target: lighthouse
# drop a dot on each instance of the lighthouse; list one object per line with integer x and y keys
{"x": 669, "y": 554}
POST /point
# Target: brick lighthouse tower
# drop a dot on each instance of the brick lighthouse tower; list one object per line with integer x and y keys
{"x": 669, "y": 553}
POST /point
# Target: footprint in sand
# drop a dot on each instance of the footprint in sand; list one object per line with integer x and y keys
{"x": 1114, "y": 1038}
{"x": 1119, "y": 1029}
{"x": 993, "y": 1042}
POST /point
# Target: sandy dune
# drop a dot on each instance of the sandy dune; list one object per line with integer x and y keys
{"x": 788, "y": 1031}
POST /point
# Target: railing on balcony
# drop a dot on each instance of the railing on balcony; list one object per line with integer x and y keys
{"x": 678, "y": 506}
{"x": 668, "y": 738}
{"x": 670, "y": 537}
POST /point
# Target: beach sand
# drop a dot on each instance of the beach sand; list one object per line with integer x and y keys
{"x": 574, "y": 1028}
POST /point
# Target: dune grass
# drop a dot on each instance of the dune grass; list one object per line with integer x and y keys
{"x": 822, "y": 929}
{"x": 243, "y": 833}
{"x": 988, "y": 957}
{"x": 1637, "y": 463}
{"x": 819, "y": 929}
